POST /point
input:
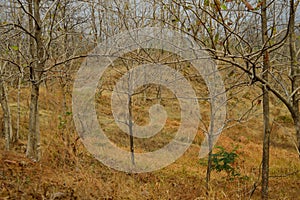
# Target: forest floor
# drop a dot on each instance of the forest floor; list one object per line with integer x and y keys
{"x": 68, "y": 171}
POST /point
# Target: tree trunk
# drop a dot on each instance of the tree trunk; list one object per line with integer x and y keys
{"x": 210, "y": 145}
{"x": 266, "y": 145}
{"x": 33, "y": 145}
{"x": 130, "y": 125}
{"x": 6, "y": 114}
{"x": 266, "y": 106}
{"x": 18, "y": 109}
{"x": 296, "y": 119}
{"x": 209, "y": 165}
{"x": 295, "y": 72}
{"x": 36, "y": 70}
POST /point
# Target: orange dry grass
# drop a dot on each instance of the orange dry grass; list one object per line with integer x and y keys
{"x": 68, "y": 171}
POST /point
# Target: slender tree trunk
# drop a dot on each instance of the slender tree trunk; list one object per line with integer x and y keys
{"x": 210, "y": 144}
{"x": 6, "y": 114}
{"x": 63, "y": 78}
{"x": 295, "y": 72}
{"x": 130, "y": 122}
{"x": 266, "y": 106}
{"x": 130, "y": 125}
{"x": 18, "y": 109}
{"x": 209, "y": 164}
{"x": 16, "y": 135}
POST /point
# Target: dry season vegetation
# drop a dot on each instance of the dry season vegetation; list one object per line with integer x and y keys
{"x": 253, "y": 44}
{"x": 68, "y": 171}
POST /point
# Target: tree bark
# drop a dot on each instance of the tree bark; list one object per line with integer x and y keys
{"x": 266, "y": 106}
{"x": 6, "y": 114}
{"x": 36, "y": 70}
{"x": 210, "y": 145}
{"x": 296, "y": 119}
{"x": 130, "y": 125}
{"x": 18, "y": 109}
{"x": 209, "y": 164}
{"x": 33, "y": 144}
{"x": 295, "y": 72}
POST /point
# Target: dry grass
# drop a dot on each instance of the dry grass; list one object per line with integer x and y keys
{"x": 68, "y": 171}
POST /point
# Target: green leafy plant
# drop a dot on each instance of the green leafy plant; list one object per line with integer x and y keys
{"x": 223, "y": 160}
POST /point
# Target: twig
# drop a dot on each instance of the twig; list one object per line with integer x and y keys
{"x": 285, "y": 175}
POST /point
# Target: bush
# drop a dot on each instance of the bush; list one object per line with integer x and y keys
{"x": 224, "y": 161}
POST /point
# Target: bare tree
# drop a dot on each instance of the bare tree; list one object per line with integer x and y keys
{"x": 38, "y": 54}
{"x": 266, "y": 104}
{"x": 228, "y": 31}
{"x": 42, "y": 32}
{"x": 10, "y": 66}
{"x": 295, "y": 71}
